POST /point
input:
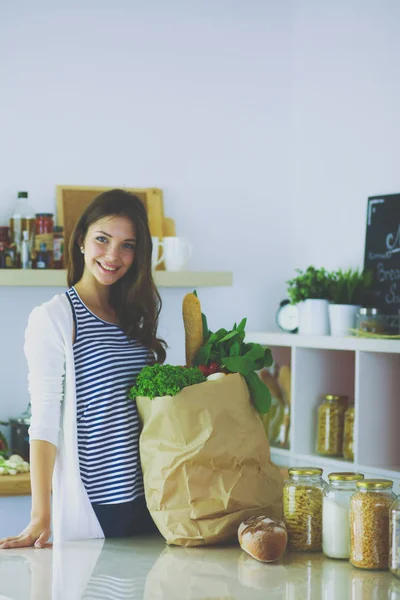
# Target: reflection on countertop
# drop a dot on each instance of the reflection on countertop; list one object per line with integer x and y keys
{"x": 145, "y": 567}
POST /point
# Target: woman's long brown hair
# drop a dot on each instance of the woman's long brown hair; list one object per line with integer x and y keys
{"x": 134, "y": 297}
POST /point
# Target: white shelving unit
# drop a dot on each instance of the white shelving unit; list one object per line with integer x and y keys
{"x": 58, "y": 278}
{"x": 365, "y": 370}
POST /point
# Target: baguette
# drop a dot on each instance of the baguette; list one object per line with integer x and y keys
{"x": 263, "y": 538}
{"x": 192, "y": 321}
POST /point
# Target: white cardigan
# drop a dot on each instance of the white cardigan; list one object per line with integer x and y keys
{"x": 48, "y": 349}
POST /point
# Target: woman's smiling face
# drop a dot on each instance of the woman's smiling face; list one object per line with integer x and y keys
{"x": 109, "y": 248}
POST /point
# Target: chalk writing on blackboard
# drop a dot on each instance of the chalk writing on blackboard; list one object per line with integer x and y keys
{"x": 382, "y": 253}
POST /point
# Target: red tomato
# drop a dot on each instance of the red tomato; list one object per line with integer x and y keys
{"x": 204, "y": 370}
{"x": 213, "y": 367}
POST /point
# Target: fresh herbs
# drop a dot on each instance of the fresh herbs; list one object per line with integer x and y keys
{"x": 228, "y": 349}
{"x": 350, "y": 287}
{"x": 339, "y": 287}
{"x": 164, "y": 380}
{"x": 312, "y": 283}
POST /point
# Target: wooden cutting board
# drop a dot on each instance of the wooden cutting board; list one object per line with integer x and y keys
{"x": 155, "y": 211}
{"x": 72, "y": 201}
{"x": 15, "y": 485}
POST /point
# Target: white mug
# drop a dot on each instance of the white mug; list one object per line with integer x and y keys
{"x": 156, "y": 257}
{"x": 177, "y": 252}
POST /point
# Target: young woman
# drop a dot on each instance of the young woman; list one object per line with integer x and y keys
{"x": 84, "y": 349}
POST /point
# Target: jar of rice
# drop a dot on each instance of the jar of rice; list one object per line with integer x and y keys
{"x": 302, "y": 508}
{"x": 369, "y": 523}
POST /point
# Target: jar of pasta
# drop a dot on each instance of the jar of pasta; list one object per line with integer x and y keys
{"x": 394, "y": 563}
{"x": 330, "y": 426}
{"x": 335, "y": 513}
{"x": 348, "y": 434}
{"x": 369, "y": 524}
{"x": 302, "y": 508}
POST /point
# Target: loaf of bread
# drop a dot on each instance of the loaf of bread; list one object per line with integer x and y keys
{"x": 263, "y": 538}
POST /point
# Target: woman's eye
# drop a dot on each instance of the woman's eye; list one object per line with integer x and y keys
{"x": 101, "y": 238}
{"x": 129, "y": 246}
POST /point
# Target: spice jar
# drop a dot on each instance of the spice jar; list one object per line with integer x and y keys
{"x": 369, "y": 524}
{"x": 330, "y": 426}
{"x": 44, "y": 231}
{"x": 370, "y": 320}
{"x": 336, "y": 513}
{"x": 7, "y": 250}
{"x": 394, "y": 560}
{"x": 302, "y": 508}
{"x": 348, "y": 434}
{"x": 4, "y": 236}
{"x": 58, "y": 247}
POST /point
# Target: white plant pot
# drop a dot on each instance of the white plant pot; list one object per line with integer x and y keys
{"x": 313, "y": 317}
{"x": 342, "y": 317}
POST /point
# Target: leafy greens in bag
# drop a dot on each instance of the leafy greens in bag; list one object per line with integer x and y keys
{"x": 164, "y": 380}
{"x": 229, "y": 350}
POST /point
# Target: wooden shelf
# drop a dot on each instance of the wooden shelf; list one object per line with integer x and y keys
{"x": 58, "y": 278}
{"x": 15, "y": 485}
{"x": 324, "y": 342}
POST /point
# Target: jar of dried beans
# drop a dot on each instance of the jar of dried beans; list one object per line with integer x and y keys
{"x": 395, "y": 538}
{"x": 302, "y": 508}
{"x": 369, "y": 524}
{"x": 330, "y": 426}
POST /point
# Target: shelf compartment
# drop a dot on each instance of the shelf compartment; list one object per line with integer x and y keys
{"x": 317, "y": 372}
{"x": 377, "y": 410}
{"x": 282, "y": 357}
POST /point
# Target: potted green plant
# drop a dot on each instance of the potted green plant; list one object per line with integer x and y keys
{"x": 347, "y": 290}
{"x": 309, "y": 290}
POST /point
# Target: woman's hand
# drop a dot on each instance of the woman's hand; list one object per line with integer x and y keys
{"x": 35, "y": 534}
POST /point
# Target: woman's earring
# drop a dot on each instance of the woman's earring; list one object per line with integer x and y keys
{"x": 82, "y": 250}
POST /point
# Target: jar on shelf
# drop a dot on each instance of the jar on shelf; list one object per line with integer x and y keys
{"x": 348, "y": 434}
{"x": 336, "y": 513}
{"x": 8, "y": 255}
{"x": 330, "y": 426}
{"x": 369, "y": 523}
{"x": 4, "y": 235}
{"x": 394, "y": 560}
{"x": 58, "y": 247}
{"x": 22, "y": 219}
{"x": 370, "y": 320}
{"x": 302, "y": 508}
{"x": 44, "y": 225}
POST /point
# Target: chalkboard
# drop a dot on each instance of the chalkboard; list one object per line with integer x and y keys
{"x": 382, "y": 256}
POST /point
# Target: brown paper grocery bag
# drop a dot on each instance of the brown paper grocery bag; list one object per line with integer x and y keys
{"x": 206, "y": 462}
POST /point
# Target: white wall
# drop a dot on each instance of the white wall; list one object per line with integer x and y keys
{"x": 267, "y": 124}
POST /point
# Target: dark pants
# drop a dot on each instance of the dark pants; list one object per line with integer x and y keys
{"x": 125, "y": 519}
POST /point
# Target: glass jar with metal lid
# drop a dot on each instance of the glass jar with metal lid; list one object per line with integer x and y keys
{"x": 370, "y": 320}
{"x": 348, "y": 433}
{"x": 302, "y": 508}
{"x": 336, "y": 513}
{"x": 330, "y": 426}
{"x": 369, "y": 524}
{"x": 394, "y": 561}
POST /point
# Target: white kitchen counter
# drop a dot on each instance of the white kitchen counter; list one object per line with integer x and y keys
{"x": 146, "y": 568}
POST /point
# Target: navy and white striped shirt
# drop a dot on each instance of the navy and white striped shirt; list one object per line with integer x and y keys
{"x": 106, "y": 365}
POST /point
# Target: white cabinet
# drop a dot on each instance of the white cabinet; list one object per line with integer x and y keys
{"x": 366, "y": 370}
